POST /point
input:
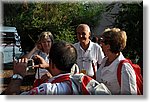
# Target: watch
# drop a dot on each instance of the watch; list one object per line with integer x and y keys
{"x": 17, "y": 76}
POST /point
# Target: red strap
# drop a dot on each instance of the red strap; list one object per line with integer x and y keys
{"x": 37, "y": 82}
{"x": 119, "y": 70}
{"x": 94, "y": 70}
{"x": 85, "y": 81}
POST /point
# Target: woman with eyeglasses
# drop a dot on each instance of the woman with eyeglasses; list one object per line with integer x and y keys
{"x": 113, "y": 41}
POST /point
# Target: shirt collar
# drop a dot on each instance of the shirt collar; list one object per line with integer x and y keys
{"x": 115, "y": 63}
{"x": 90, "y": 45}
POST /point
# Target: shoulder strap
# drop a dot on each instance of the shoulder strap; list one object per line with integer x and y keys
{"x": 94, "y": 70}
{"x": 119, "y": 70}
{"x": 85, "y": 80}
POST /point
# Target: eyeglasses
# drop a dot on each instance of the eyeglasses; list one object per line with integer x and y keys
{"x": 101, "y": 40}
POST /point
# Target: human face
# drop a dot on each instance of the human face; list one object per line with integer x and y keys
{"x": 46, "y": 45}
{"x": 83, "y": 34}
{"x": 105, "y": 47}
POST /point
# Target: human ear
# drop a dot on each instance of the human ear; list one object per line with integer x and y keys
{"x": 89, "y": 35}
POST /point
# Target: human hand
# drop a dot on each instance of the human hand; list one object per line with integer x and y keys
{"x": 20, "y": 67}
{"x": 35, "y": 48}
{"x": 38, "y": 46}
{"x": 43, "y": 64}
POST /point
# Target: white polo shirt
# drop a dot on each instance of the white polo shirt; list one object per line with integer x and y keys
{"x": 108, "y": 75}
{"x": 84, "y": 59}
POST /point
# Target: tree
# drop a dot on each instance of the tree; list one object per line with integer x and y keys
{"x": 130, "y": 19}
{"x": 59, "y": 18}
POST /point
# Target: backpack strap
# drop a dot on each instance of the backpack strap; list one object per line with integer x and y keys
{"x": 139, "y": 79}
{"x": 85, "y": 80}
{"x": 119, "y": 70}
{"x": 94, "y": 70}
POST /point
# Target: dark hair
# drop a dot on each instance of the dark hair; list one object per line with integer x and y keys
{"x": 63, "y": 55}
{"x": 95, "y": 39}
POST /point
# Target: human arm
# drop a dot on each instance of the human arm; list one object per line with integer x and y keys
{"x": 128, "y": 82}
{"x": 32, "y": 52}
{"x": 13, "y": 88}
{"x": 14, "y": 85}
{"x": 42, "y": 63}
{"x": 20, "y": 68}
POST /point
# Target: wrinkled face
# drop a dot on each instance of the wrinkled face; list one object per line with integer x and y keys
{"x": 46, "y": 44}
{"x": 83, "y": 34}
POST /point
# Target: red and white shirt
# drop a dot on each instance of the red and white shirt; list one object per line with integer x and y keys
{"x": 62, "y": 88}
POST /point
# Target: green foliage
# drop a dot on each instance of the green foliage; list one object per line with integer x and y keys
{"x": 130, "y": 19}
{"x": 59, "y": 18}
{"x": 66, "y": 35}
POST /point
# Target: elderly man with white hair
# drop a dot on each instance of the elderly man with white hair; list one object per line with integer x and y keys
{"x": 89, "y": 53}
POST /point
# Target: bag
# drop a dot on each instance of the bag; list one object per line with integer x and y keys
{"x": 137, "y": 69}
{"x": 83, "y": 84}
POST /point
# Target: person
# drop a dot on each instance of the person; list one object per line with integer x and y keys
{"x": 41, "y": 48}
{"x": 95, "y": 39}
{"x": 113, "y": 41}
{"x": 89, "y": 53}
{"x": 63, "y": 56}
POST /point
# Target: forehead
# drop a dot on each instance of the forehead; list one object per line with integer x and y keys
{"x": 83, "y": 28}
{"x": 45, "y": 39}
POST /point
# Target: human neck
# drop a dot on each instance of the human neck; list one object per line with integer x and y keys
{"x": 46, "y": 52}
{"x": 85, "y": 45}
{"x": 111, "y": 58}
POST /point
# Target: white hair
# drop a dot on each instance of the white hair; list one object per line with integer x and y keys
{"x": 85, "y": 26}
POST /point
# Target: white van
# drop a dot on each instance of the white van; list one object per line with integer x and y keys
{"x": 10, "y": 46}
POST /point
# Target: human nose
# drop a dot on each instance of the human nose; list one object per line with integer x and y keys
{"x": 47, "y": 43}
